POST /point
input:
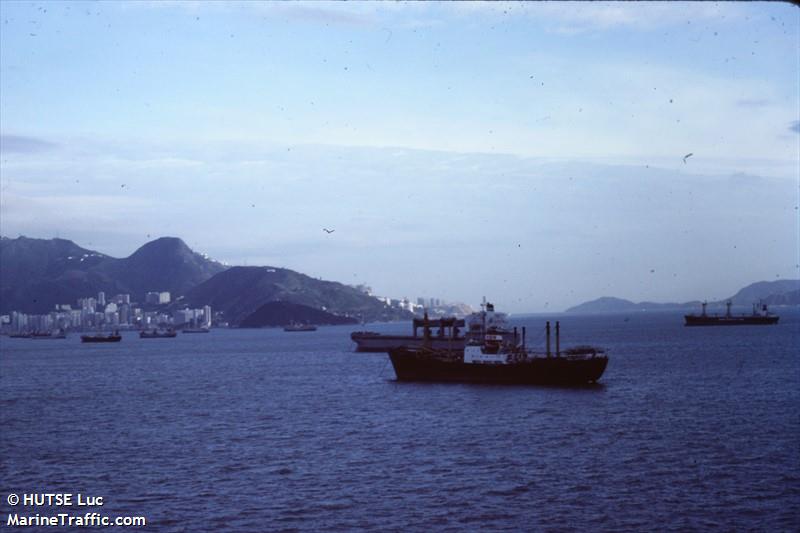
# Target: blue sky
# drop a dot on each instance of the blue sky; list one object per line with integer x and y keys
{"x": 532, "y": 153}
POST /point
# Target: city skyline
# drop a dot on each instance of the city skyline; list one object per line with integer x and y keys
{"x": 117, "y": 311}
{"x": 541, "y": 155}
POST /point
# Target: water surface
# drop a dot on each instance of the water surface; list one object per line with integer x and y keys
{"x": 252, "y": 430}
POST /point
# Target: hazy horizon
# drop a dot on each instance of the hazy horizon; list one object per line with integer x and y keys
{"x": 538, "y": 154}
{"x": 412, "y": 298}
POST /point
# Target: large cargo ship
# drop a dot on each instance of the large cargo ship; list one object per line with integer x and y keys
{"x": 446, "y": 333}
{"x": 760, "y": 317}
{"x": 443, "y": 333}
{"x": 498, "y": 361}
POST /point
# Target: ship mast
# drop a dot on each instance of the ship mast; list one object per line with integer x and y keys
{"x": 547, "y": 330}
{"x": 558, "y": 339}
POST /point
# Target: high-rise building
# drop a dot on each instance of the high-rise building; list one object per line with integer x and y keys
{"x": 124, "y": 313}
{"x": 183, "y": 316}
{"x": 87, "y": 303}
{"x": 101, "y": 298}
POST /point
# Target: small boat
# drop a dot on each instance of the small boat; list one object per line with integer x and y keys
{"x": 759, "y": 317}
{"x": 100, "y": 337}
{"x": 196, "y": 330}
{"x": 158, "y": 334}
{"x": 300, "y": 327}
{"x": 497, "y": 361}
{"x": 19, "y": 335}
{"x": 56, "y": 334}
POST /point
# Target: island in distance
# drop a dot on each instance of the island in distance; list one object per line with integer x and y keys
{"x": 779, "y": 292}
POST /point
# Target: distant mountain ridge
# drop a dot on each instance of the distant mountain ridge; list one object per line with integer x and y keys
{"x": 779, "y": 292}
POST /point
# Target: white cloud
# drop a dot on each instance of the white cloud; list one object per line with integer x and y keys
{"x": 580, "y": 17}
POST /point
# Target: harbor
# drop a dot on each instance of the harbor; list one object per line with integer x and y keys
{"x": 309, "y": 414}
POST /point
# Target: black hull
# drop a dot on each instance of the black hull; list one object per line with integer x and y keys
{"x": 112, "y": 338}
{"x": 694, "y": 320}
{"x": 412, "y": 366}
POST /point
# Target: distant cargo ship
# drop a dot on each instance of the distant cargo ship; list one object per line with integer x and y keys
{"x": 57, "y": 334}
{"x": 485, "y": 319}
{"x": 114, "y": 337}
{"x": 196, "y": 330}
{"x": 158, "y": 334}
{"x": 760, "y": 317}
{"x": 498, "y": 361}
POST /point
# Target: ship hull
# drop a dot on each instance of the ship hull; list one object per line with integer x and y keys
{"x": 110, "y": 338}
{"x": 694, "y": 320}
{"x": 412, "y": 366}
{"x": 383, "y": 343}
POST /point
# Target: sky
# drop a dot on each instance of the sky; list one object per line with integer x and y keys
{"x": 538, "y": 154}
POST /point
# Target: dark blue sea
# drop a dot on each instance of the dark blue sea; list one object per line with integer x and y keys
{"x": 262, "y": 430}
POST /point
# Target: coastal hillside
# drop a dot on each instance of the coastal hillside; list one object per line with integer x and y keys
{"x": 285, "y": 313}
{"x": 25, "y": 259}
{"x": 240, "y": 291}
{"x": 779, "y": 292}
{"x": 37, "y": 274}
{"x": 165, "y": 264}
